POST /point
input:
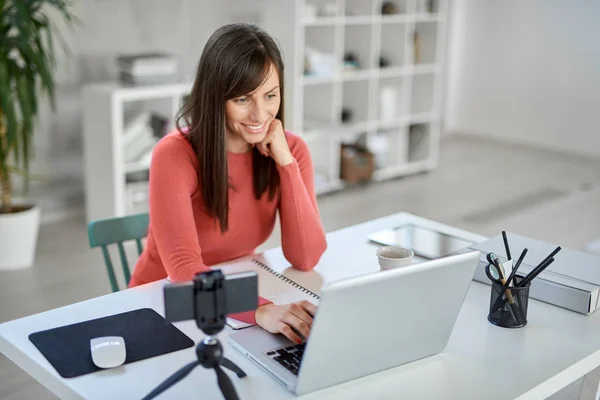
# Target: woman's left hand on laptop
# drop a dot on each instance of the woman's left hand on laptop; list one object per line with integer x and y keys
{"x": 292, "y": 320}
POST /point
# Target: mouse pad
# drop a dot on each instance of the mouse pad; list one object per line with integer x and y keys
{"x": 146, "y": 334}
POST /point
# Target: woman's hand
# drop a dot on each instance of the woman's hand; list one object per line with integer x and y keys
{"x": 275, "y": 144}
{"x": 292, "y": 320}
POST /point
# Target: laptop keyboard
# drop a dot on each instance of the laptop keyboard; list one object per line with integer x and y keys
{"x": 288, "y": 357}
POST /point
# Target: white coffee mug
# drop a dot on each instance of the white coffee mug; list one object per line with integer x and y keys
{"x": 391, "y": 257}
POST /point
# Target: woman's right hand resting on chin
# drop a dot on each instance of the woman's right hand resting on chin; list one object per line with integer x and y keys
{"x": 292, "y": 320}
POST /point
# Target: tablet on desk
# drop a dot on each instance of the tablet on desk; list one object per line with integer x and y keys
{"x": 424, "y": 242}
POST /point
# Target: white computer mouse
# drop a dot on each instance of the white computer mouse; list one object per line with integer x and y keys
{"x": 108, "y": 351}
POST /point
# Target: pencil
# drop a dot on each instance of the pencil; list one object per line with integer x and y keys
{"x": 540, "y": 267}
{"x": 550, "y": 256}
{"x": 516, "y": 267}
{"x": 508, "y": 256}
{"x": 533, "y": 274}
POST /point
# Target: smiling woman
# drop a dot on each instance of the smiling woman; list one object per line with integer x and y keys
{"x": 217, "y": 184}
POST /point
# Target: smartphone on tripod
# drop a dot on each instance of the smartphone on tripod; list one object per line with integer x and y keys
{"x": 241, "y": 294}
{"x": 207, "y": 299}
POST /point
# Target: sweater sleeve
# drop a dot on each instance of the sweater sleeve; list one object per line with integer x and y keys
{"x": 303, "y": 237}
{"x": 173, "y": 181}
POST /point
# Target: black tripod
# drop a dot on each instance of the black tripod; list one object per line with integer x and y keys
{"x": 210, "y": 311}
{"x": 210, "y": 355}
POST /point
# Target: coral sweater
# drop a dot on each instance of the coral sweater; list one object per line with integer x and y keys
{"x": 183, "y": 240}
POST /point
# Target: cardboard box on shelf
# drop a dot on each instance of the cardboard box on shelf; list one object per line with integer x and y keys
{"x": 357, "y": 164}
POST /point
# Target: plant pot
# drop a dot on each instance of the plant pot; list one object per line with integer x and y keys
{"x": 18, "y": 237}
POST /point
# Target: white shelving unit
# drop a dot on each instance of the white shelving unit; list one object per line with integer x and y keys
{"x": 315, "y": 98}
{"x": 313, "y": 103}
{"x": 109, "y": 190}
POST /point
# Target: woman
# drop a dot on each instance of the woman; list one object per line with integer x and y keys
{"x": 216, "y": 185}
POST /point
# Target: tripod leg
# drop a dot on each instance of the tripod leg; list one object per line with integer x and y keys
{"x": 225, "y": 384}
{"x": 231, "y": 366}
{"x": 173, "y": 379}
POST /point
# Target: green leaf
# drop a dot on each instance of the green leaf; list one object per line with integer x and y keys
{"x": 31, "y": 85}
{"x": 45, "y": 29}
{"x": 28, "y": 121}
{"x": 7, "y": 104}
{"x": 36, "y": 60}
{"x": 26, "y": 143}
{"x": 12, "y": 73}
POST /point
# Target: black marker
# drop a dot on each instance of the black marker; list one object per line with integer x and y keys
{"x": 508, "y": 256}
{"x": 533, "y": 274}
{"x": 516, "y": 267}
{"x": 541, "y": 265}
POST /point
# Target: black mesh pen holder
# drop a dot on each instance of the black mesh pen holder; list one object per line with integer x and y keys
{"x": 508, "y": 305}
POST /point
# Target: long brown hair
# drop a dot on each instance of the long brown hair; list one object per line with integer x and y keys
{"x": 234, "y": 62}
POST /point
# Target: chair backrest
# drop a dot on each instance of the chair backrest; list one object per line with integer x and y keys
{"x": 104, "y": 232}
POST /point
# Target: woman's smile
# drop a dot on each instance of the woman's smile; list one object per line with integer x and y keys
{"x": 255, "y": 129}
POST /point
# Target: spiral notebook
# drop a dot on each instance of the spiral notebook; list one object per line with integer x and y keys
{"x": 271, "y": 285}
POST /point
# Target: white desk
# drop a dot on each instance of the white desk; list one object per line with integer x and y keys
{"x": 481, "y": 360}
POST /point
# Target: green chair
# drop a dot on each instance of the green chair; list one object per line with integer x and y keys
{"x": 107, "y": 231}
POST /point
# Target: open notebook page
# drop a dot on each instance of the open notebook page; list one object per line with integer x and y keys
{"x": 271, "y": 285}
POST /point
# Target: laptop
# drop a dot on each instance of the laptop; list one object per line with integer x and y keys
{"x": 367, "y": 324}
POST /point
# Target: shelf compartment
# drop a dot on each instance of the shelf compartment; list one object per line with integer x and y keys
{"x": 394, "y": 7}
{"x": 424, "y": 43}
{"x": 422, "y": 93}
{"x": 143, "y": 124}
{"x": 136, "y": 197}
{"x": 357, "y": 45}
{"x": 318, "y": 100}
{"x": 427, "y": 7}
{"x": 355, "y": 102}
{"x": 419, "y": 142}
{"x": 319, "y": 52}
{"x": 320, "y": 148}
{"x": 390, "y": 147}
{"x": 319, "y": 11}
{"x": 355, "y": 8}
{"x": 393, "y": 39}
{"x": 391, "y": 99}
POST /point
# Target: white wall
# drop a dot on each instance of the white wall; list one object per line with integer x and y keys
{"x": 526, "y": 72}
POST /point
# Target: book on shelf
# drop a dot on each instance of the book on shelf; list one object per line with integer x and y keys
{"x": 155, "y": 79}
{"x": 147, "y": 68}
{"x": 152, "y": 63}
{"x": 140, "y": 134}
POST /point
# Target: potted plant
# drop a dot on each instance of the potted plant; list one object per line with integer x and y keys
{"x": 27, "y": 66}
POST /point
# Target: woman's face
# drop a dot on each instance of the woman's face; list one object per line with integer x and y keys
{"x": 248, "y": 117}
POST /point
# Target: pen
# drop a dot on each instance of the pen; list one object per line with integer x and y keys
{"x": 514, "y": 271}
{"x": 494, "y": 260}
{"x": 508, "y": 256}
{"x": 533, "y": 274}
{"x": 541, "y": 266}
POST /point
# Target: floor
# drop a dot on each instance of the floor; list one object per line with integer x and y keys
{"x": 481, "y": 186}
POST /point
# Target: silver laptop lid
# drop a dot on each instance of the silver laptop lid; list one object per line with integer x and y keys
{"x": 374, "y": 322}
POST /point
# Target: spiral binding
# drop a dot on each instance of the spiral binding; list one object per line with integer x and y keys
{"x": 286, "y": 279}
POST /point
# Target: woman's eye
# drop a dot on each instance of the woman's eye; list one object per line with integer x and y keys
{"x": 271, "y": 96}
{"x": 241, "y": 100}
